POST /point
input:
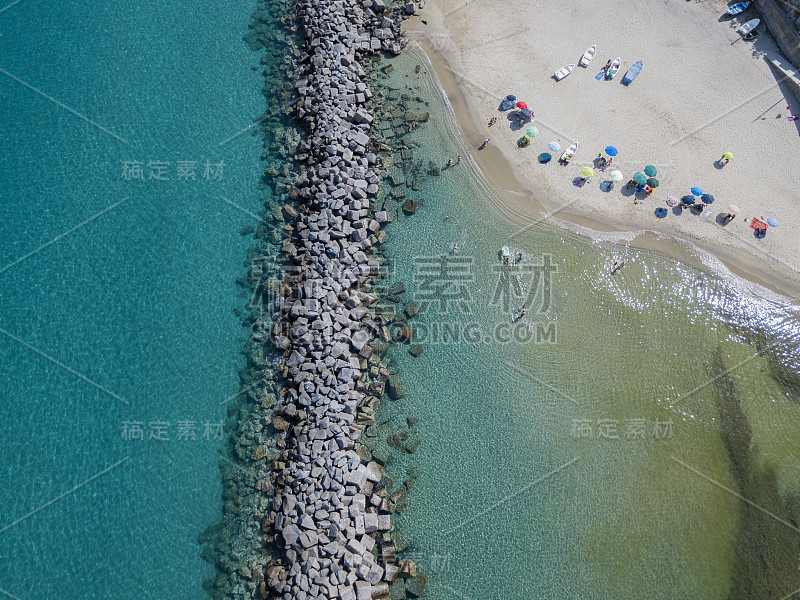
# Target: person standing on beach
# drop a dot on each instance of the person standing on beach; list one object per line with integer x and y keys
{"x": 724, "y": 160}
{"x": 458, "y": 159}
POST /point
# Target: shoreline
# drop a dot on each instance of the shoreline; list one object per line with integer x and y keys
{"x": 528, "y": 198}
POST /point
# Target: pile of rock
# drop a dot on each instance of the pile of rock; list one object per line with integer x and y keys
{"x": 329, "y": 514}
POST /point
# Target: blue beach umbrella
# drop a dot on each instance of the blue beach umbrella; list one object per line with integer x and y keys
{"x": 697, "y": 191}
{"x": 707, "y": 198}
{"x": 611, "y": 151}
{"x": 554, "y": 146}
{"x": 650, "y": 171}
{"x": 544, "y": 157}
{"x": 688, "y": 200}
{"x": 640, "y": 178}
{"x": 772, "y": 222}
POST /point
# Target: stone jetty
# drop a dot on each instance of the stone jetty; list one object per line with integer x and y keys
{"x": 330, "y": 518}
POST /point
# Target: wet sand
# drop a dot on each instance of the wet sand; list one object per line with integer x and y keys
{"x": 534, "y": 193}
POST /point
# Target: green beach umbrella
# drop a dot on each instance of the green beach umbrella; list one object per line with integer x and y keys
{"x": 532, "y": 131}
{"x": 640, "y": 178}
{"x": 587, "y": 171}
{"x": 727, "y": 155}
{"x": 652, "y": 182}
{"x": 650, "y": 171}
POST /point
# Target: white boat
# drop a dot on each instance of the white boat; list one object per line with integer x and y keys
{"x": 506, "y": 252}
{"x": 749, "y": 26}
{"x": 563, "y": 72}
{"x": 588, "y": 55}
{"x": 568, "y": 154}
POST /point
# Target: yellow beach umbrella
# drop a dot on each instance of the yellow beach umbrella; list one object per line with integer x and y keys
{"x": 727, "y": 155}
{"x": 587, "y": 171}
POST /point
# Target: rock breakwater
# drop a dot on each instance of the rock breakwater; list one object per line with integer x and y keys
{"x": 330, "y": 517}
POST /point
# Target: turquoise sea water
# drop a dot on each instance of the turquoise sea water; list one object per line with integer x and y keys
{"x": 117, "y": 295}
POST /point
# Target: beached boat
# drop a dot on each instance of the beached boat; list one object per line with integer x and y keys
{"x": 749, "y": 26}
{"x": 737, "y": 8}
{"x": 563, "y": 72}
{"x": 588, "y": 55}
{"x": 568, "y": 154}
{"x": 612, "y": 70}
{"x": 631, "y": 74}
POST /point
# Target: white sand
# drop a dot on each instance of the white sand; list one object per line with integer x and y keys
{"x": 703, "y": 90}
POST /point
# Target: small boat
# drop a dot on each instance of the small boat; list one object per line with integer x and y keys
{"x": 749, "y": 26}
{"x": 563, "y": 72}
{"x": 505, "y": 252}
{"x": 568, "y": 154}
{"x": 737, "y": 8}
{"x": 612, "y": 70}
{"x": 588, "y": 56}
{"x": 632, "y": 72}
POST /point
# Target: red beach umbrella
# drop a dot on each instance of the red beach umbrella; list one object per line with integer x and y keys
{"x": 522, "y": 104}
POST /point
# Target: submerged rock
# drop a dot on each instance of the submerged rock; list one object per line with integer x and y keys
{"x": 416, "y": 585}
{"x": 410, "y": 206}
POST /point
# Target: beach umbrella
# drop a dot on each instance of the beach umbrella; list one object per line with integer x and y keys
{"x": 707, "y": 198}
{"x": 522, "y": 104}
{"x": 733, "y": 208}
{"x": 688, "y": 199}
{"x": 772, "y": 222}
{"x": 616, "y": 175}
{"x": 672, "y": 201}
{"x": 727, "y": 155}
{"x": 587, "y": 171}
{"x": 532, "y": 131}
{"x": 697, "y": 191}
{"x": 554, "y": 146}
{"x": 640, "y": 178}
{"x": 661, "y": 212}
{"x": 526, "y": 112}
{"x": 611, "y": 151}
{"x": 544, "y": 157}
{"x": 652, "y": 182}
{"x": 650, "y": 171}
{"x": 511, "y": 98}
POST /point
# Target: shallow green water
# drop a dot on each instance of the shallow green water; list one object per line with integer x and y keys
{"x": 656, "y": 366}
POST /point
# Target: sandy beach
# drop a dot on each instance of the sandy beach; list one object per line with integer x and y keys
{"x": 702, "y": 91}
